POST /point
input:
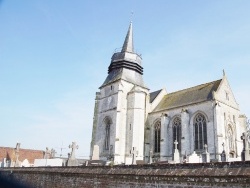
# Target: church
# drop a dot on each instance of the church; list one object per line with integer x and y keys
{"x": 133, "y": 124}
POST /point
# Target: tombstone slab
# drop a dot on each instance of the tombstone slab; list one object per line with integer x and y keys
{"x": 176, "y": 153}
{"x": 194, "y": 158}
{"x": 73, "y": 147}
{"x": 72, "y": 161}
{"x": 134, "y": 153}
{"x": 205, "y": 155}
{"x": 95, "y": 155}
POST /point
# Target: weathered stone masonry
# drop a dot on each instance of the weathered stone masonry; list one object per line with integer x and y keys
{"x": 235, "y": 174}
{"x": 131, "y": 123}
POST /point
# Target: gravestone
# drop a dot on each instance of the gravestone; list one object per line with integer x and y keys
{"x": 176, "y": 153}
{"x": 95, "y": 160}
{"x": 17, "y": 162}
{"x": 53, "y": 153}
{"x": 194, "y": 158}
{"x": 245, "y": 156}
{"x": 47, "y": 153}
{"x": 134, "y": 154}
{"x": 150, "y": 157}
{"x": 4, "y": 163}
{"x": 73, "y": 147}
{"x": 95, "y": 155}
{"x": 223, "y": 154}
{"x": 205, "y": 155}
{"x": 72, "y": 161}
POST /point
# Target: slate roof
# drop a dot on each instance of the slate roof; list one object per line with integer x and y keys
{"x": 153, "y": 95}
{"x": 113, "y": 76}
{"x": 29, "y": 154}
{"x": 126, "y": 59}
{"x": 188, "y": 96}
{"x": 128, "y": 45}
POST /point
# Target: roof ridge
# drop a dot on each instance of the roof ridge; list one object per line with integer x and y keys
{"x": 194, "y": 86}
{"x": 2, "y": 147}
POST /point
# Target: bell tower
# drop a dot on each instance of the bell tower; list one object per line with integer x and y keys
{"x": 120, "y": 108}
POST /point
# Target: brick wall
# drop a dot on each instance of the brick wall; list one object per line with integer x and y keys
{"x": 175, "y": 176}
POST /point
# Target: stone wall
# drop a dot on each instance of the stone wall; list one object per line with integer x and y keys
{"x": 187, "y": 118}
{"x": 162, "y": 175}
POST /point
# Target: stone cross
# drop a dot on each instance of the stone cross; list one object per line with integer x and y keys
{"x": 18, "y": 146}
{"x": 223, "y": 145}
{"x": 243, "y": 138}
{"x": 17, "y": 150}
{"x": 17, "y": 154}
{"x": 175, "y": 144}
{"x": 223, "y": 154}
{"x": 134, "y": 155}
{"x": 73, "y": 147}
{"x": 176, "y": 153}
{"x": 47, "y": 153}
{"x": 53, "y": 153}
{"x": 245, "y": 153}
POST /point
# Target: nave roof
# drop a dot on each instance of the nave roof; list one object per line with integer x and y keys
{"x": 196, "y": 94}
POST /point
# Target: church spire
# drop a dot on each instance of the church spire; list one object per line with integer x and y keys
{"x": 128, "y": 45}
{"x": 126, "y": 64}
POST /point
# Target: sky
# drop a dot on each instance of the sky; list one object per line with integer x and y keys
{"x": 54, "y": 55}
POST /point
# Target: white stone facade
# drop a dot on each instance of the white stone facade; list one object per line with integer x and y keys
{"x": 127, "y": 117}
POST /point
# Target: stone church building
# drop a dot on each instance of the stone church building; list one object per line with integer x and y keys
{"x": 130, "y": 122}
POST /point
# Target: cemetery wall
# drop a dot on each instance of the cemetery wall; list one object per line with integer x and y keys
{"x": 236, "y": 174}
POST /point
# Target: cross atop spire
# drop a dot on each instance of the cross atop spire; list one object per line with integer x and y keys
{"x": 128, "y": 45}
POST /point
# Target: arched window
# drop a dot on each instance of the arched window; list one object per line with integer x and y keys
{"x": 107, "y": 134}
{"x": 200, "y": 132}
{"x": 157, "y": 130}
{"x": 177, "y": 132}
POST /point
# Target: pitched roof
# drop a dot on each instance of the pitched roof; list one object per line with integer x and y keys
{"x": 29, "y": 154}
{"x": 188, "y": 96}
{"x": 153, "y": 95}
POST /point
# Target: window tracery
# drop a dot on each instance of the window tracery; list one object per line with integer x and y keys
{"x": 177, "y": 132}
{"x": 157, "y": 134}
{"x": 200, "y": 131}
{"x": 107, "y": 134}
